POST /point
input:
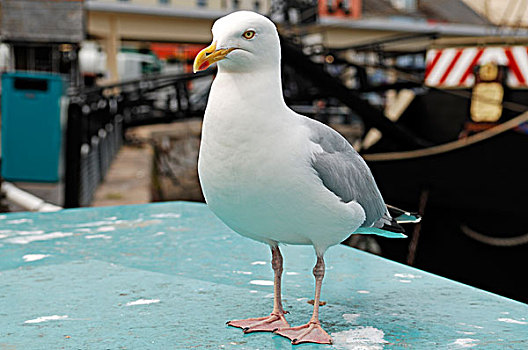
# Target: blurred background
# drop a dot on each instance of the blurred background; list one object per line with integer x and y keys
{"x": 99, "y": 106}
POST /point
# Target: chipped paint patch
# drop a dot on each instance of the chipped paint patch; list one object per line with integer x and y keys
{"x": 292, "y": 273}
{"x": 464, "y": 343}
{"x": 261, "y": 282}
{"x": 166, "y": 215}
{"x": 142, "y": 302}
{"x": 466, "y": 333}
{"x": 258, "y": 263}
{"x": 363, "y": 291}
{"x": 406, "y": 275}
{"x": 27, "y": 233}
{"x": 243, "y": 272}
{"x": 34, "y": 257}
{"x": 351, "y": 317}
{"x": 511, "y": 320}
{"x": 3, "y": 236}
{"x": 105, "y": 229}
{"x": 98, "y": 236}
{"x": 45, "y": 237}
{"x": 97, "y": 223}
{"x": 159, "y": 233}
{"x": 47, "y": 318}
{"x": 19, "y": 221}
{"x": 364, "y": 338}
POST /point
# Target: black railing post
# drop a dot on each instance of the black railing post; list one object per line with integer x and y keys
{"x": 72, "y": 181}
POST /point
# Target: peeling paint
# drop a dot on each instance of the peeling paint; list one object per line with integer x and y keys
{"x": 34, "y": 257}
{"x": 47, "y": 318}
{"x": 261, "y": 282}
{"x": 143, "y": 302}
{"x": 464, "y": 343}
{"x": 98, "y": 236}
{"x": 364, "y": 338}
{"x": 44, "y": 237}
{"x": 511, "y": 320}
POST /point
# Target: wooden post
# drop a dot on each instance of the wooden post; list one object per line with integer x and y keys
{"x": 112, "y": 49}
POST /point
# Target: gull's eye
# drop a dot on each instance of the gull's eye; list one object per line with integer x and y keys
{"x": 248, "y": 34}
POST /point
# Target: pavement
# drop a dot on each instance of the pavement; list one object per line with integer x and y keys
{"x": 128, "y": 180}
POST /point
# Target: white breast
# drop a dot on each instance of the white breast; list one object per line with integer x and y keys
{"x": 256, "y": 175}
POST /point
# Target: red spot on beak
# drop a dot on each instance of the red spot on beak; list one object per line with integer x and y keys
{"x": 204, "y": 65}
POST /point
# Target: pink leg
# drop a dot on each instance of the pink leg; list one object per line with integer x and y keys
{"x": 312, "y": 332}
{"x": 276, "y": 319}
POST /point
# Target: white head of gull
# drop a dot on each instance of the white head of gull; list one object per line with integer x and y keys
{"x": 273, "y": 175}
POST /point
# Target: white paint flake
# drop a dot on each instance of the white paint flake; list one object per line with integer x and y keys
{"x": 511, "y": 320}
{"x": 261, "y": 282}
{"x": 159, "y": 233}
{"x": 253, "y": 291}
{"x": 258, "y": 263}
{"x": 166, "y": 215}
{"x": 34, "y": 257}
{"x": 292, "y": 273}
{"x": 404, "y": 281}
{"x": 32, "y": 238}
{"x": 19, "y": 221}
{"x": 143, "y": 302}
{"x": 27, "y": 233}
{"x": 364, "y": 338}
{"x": 47, "y": 318}
{"x": 351, "y": 317}
{"x": 98, "y": 236}
{"x": 243, "y": 272}
{"x": 98, "y": 223}
{"x": 466, "y": 333}
{"x": 406, "y": 275}
{"x": 105, "y": 229}
{"x": 464, "y": 343}
{"x": 3, "y": 236}
{"x": 363, "y": 291}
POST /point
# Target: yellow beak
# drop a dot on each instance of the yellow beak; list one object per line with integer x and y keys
{"x": 208, "y": 56}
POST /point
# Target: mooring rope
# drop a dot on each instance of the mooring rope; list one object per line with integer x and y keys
{"x": 494, "y": 241}
{"x": 450, "y": 146}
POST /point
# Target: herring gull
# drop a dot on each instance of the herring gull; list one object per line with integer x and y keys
{"x": 274, "y": 175}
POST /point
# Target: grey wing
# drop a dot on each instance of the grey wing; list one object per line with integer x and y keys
{"x": 345, "y": 173}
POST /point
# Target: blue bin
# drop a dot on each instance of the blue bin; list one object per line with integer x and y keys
{"x": 32, "y": 120}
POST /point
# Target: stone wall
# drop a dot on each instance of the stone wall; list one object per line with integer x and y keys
{"x": 175, "y": 174}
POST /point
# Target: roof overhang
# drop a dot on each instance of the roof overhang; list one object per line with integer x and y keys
{"x": 168, "y": 11}
{"x": 421, "y": 26}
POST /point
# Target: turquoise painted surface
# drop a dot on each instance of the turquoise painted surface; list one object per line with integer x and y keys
{"x": 168, "y": 276}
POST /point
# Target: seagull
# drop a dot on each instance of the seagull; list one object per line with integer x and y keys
{"x": 274, "y": 175}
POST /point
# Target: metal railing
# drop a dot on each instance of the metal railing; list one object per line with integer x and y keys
{"x": 98, "y": 117}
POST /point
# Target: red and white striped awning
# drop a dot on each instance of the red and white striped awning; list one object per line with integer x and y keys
{"x": 453, "y": 67}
